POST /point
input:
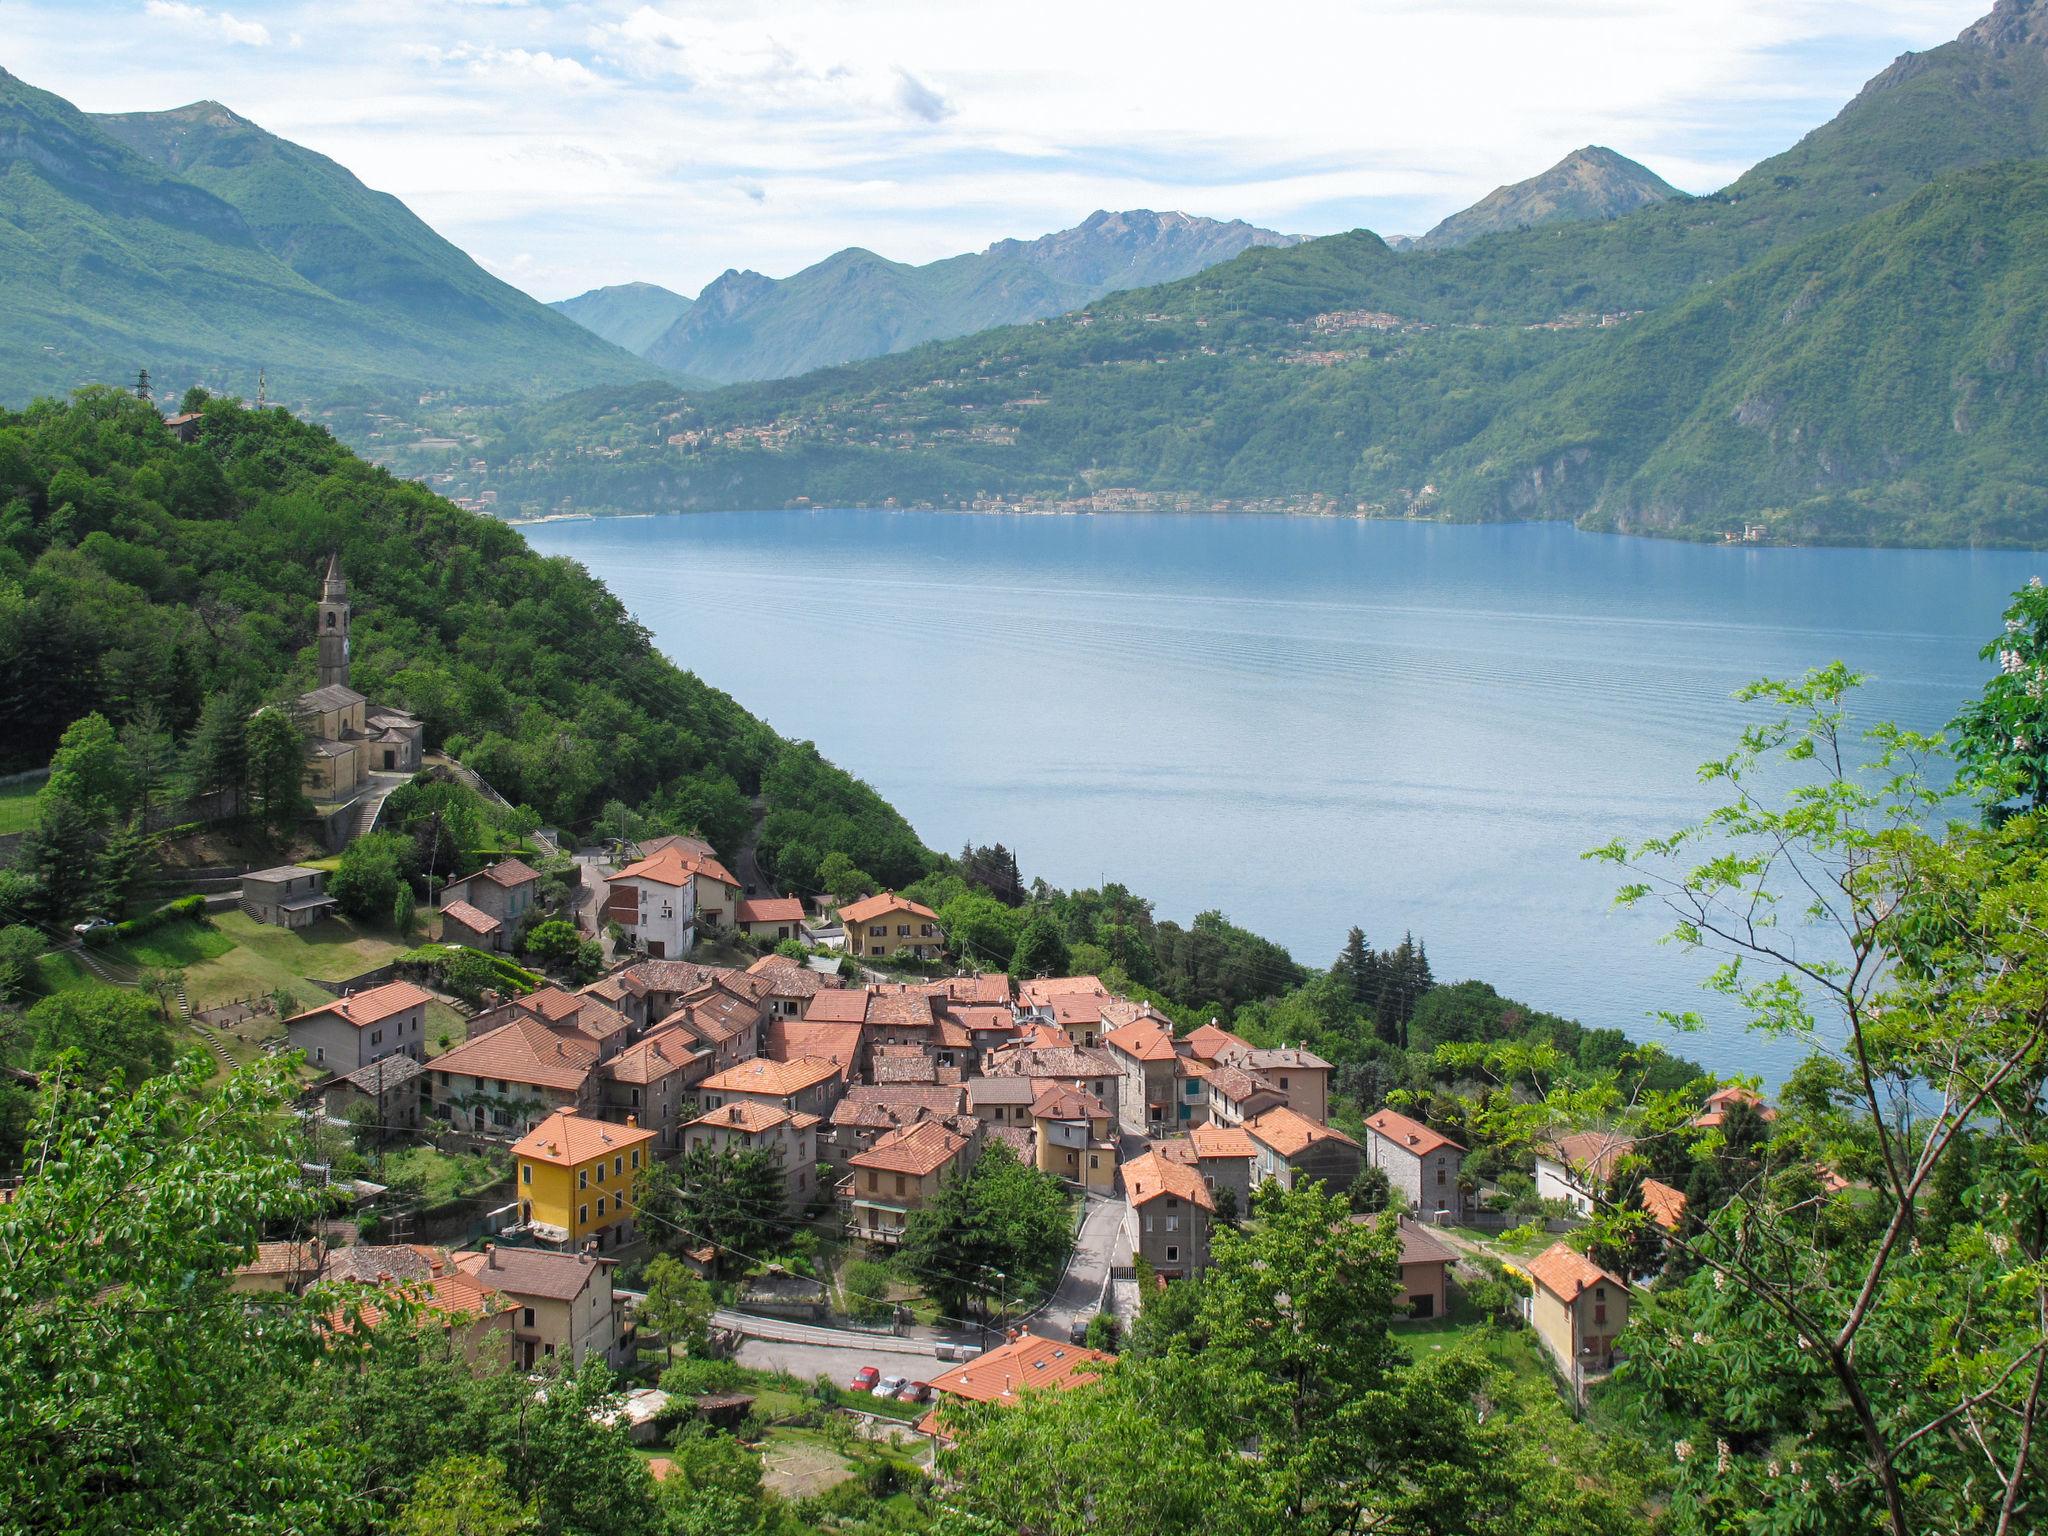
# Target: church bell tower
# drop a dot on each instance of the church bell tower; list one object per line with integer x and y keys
{"x": 333, "y": 626}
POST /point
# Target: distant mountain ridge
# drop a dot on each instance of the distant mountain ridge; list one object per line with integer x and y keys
{"x": 629, "y": 315}
{"x": 855, "y": 304}
{"x": 195, "y": 244}
{"x": 1590, "y": 183}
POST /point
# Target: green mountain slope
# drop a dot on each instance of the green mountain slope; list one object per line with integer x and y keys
{"x": 1590, "y": 183}
{"x": 1348, "y": 374}
{"x": 629, "y": 315}
{"x": 1889, "y": 378}
{"x": 856, "y": 304}
{"x": 197, "y": 245}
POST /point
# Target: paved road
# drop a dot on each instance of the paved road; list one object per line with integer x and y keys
{"x": 809, "y": 1352}
{"x": 1100, "y": 1243}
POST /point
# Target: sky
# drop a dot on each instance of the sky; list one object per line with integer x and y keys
{"x": 571, "y": 143}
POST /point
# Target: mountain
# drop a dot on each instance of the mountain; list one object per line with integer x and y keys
{"x": 629, "y": 315}
{"x": 1865, "y": 290}
{"x": 1589, "y": 183}
{"x": 197, "y": 245}
{"x": 856, "y": 304}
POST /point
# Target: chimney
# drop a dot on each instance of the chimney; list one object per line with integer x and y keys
{"x": 434, "y": 1267}
{"x": 632, "y": 1121}
{"x": 383, "y": 1277}
{"x": 490, "y": 1255}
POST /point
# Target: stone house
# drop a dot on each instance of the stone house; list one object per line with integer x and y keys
{"x": 289, "y": 896}
{"x": 1171, "y": 1213}
{"x": 503, "y": 1082}
{"x": 745, "y": 1126}
{"x": 1421, "y": 1164}
{"x": 1144, "y": 1049}
{"x": 1236, "y": 1093}
{"x": 508, "y": 890}
{"x": 355, "y": 1030}
{"x": 1225, "y": 1157}
{"x": 1094, "y": 1070}
{"x": 462, "y": 923}
{"x": 1293, "y": 1149}
{"x": 567, "y": 1308}
{"x": 654, "y": 1081}
{"x": 809, "y": 1085}
{"x": 388, "y": 1088}
{"x": 870, "y": 1111}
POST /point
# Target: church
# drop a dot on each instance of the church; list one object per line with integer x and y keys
{"x": 349, "y": 739}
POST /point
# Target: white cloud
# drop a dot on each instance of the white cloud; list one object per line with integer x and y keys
{"x": 253, "y": 34}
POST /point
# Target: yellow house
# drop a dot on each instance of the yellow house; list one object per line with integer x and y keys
{"x": 576, "y": 1179}
{"x": 1577, "y": 1309}
{"x": 1072, "y": 1135}
{"x": 880, "y": 926}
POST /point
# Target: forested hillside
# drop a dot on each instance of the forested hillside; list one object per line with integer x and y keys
{"x": 137, "y": 572}
{"x": 1848, "y": 330}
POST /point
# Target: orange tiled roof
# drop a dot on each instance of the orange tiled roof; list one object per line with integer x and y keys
{"x": 1019, "y": 1366}
{"x": 1289, "y": 1133}
{"x": 675, "y": 866}
{"x": 901, "y": 1010}
{"x": 789, "y": 1039}
{"x": 749, "y": 1117}
{"x": 1077, "y": 1008}
{"x": 838, "y": 1005}
{"x": 1565, "y": 1272}
{"x": 1042, "y": 990}
{"x": 475, "y": 919}
{"x": 1149, "y": 1177}
{"x": 566, "y": 1138}
{"x": 777, "y": 1079}
{"x": 524, "y": 1051}
{"x": 1065, "y": 1101}
{"x": 1211, "y": 1041}
{"x": 1143, "y": 1040}
{"x": 1213, "y": 1140}
{"x": 918, "y": 1149}
{"x": 652, "y": 1059}
{"x": 1411, "y": 1136}
{"x": 1718, "y": 1102}
{"x": 549, "y": 1003}
{"x": 1665, "y": 1204}
{"x": 868, "y": 908}
{"x": 771, "y": 909}
{"x": 508, "y": 873}
{"x": 372, "y": 1005}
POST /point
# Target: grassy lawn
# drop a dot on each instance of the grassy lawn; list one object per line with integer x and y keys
{"x": 441, "y": 1177}
{"x": 18, "y": 806}
{"x": 1512, "y": 1252}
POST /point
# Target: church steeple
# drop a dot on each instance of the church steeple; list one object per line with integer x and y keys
{"x": 333, "y": 625}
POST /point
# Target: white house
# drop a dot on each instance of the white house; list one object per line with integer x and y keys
{"x": 655, "y": 901}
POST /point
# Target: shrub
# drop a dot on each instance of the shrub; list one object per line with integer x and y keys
{"x": 689, "y": 1378}
{"x": 866, "y": 1287}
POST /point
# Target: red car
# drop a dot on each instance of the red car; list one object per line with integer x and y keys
{"x": 864, "y": 1379}
{"x": 915, "y": 1392}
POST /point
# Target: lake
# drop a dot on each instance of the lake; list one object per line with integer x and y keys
{"x": 1305, "y": 723}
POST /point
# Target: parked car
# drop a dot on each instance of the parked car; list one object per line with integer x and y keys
{"x": 1078, "y": 1333}
{"x": 91, "y": 925}
{"x": 915, "y": 1392}
{"x": 888, "y": 1386}
{"x": 863, "y": 1379}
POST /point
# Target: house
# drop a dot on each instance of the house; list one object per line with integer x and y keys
{"x": 1425, "y": 1271}
{"x": 286, "y": 1267}
{"x": 386, "y": 1093}
{"x": 787, "y": 1039}
{"x": 1001, "y": 1100}
{"x": 746, "y": 1126}
{"x": 1073, "y": 1136}
{"x": 464, "y": 924}
{"x": 1025, "y": 1363}
{"x": 1095, "y": 1071}
{"x": 1144, "y": 1049}
{"x": 652, "y": 1082}
{"x": 655, "y": 901}
{"x": 789, "y": 984}
{"x": 880, "y": 926}
{"x": 1664, "y": 1204}
{"x": 1722, "y": 1100}
{"x": 289, "y": 896}
{"x": 772, "y": 919}
{"x": 512, "y": 1078}
{"x": 567, "y": 1308}
{"x": 477, "y": 1322}
{"x": 726, "y": 1024}
{"x": 1078, "y": 1016}
{"x": 869, "y": 1111}
{"x": 572, "y": 1015}
{"x": 576, "y": 1178}
{"x": 355, "y": 1030}
{"x": 1225, "y": 1157}
{"x": 810, "y": 1085}
{"x": 1577, "y": 1308}
{"x": 1235, "y": 1094}
{"x": 897, "y": 1176}
{"x": 1301, "y": 1077}
{"x": 1421, "y": 1164}
{"x": 507, "y": 891}
{"x": 1292, "y": 1149}
{"x": 1578, "y": 1168}
{"x": 1171, "y": 1212}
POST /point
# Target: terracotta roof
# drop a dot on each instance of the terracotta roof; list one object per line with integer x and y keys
{"x": 985, "y": 1017}
{"x": 1175, "y": 1149}
{"x": 1019, "y": 1366}
{"x": 1000, "y": 1090}
{"x": 695, "y": 846}
{"x": 900, "y": 1011}
{"x": 459, "y": 1295}
{"x": 372, "y": 1005}
{"x": 745, "y": 1115}
{"x": 566, "y": 1139}
{"x": 524, "y": 1051}
{"x": 530, "y": 1271}
{"x": 1077, "y": 1008}
{"x": 716, "y": 1015}
{"x": 918, "y": 1149}
{"x": 1016, "y": 1138}
{"x": 1212, "y": 1140}
{"x": 1720, "y": 1099}
{"x": 1565, "y": 1272}
{"x": 1119, "y": 1011}
{"x": 1149, "y": 1177}
{"x": 869, "y": 908}
{"x": 1590, "y": 1154}
{"x": 1065, "y": 1101}
{"x": 1068, "y": 1061}
{"x": 1237, "y": 1083}
{"x": 292, "y": 1260}
{"x": 775, "y": 1079}
{"x": 609, "y": 989}
{"x": 676, "y": 866}
{"x": 507, "y": 872}
{"x": 837, "y": 1005}
{"x": 1143, "y": 1040}
{"x": 919, "y": 1066}
{"x": 788, "y": 1039}
{"x": 989, "y": 989}
{"x": 652, "y": 1059}
{"x": 1043, "y": 989}
{"x": 1211, "y": 1040}
{"x": 1419, "y": 1247}
{"x": 784, "y": 977}
{"x": 883, "y": 1106}
{"x": 772, "y": 909}
{"x": 476, "y": 919}
{"x": 1289, "y": 1133}
{"x": 1665, "y": 1204}
{"x": 1411, "y": 1136}
{"x": 671, "y": 976}
{"x": 550, "y": 1004}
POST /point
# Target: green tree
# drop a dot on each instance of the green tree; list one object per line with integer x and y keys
{"x": 20, "y": 947}
{"x": 404, "y": 908}
{"x": 553, "y": 943}
{"x": 1371, "y": 1192}
{"x": 277, "y": 759}
{"x": 217, "y": 754}
{"x": 161, "y": 984}
{"x": 57, "y": 855}
{"x": 148, "y": 757}
{"x": 112, "y": 1035}
{"x": 91, "y": 772}
{"x": 866, "y": 1286}
{"x": 713, "y": 1487}
{"x": 1041, "y": 946}
{"x": 1001, "y": 1228}
{"x": 731, "y": 1198}
{"x": 119, "y": 866}
{"x": 840, "y": 876}
{"x": 365, "y": 883}
{"x": 678, "y": 1304}
{"x": 464, "y": 1496}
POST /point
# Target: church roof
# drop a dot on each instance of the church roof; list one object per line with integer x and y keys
{"x": 333, "y": 696}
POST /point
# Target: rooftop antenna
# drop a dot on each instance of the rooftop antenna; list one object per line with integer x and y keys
{"x": 262, "y": 385}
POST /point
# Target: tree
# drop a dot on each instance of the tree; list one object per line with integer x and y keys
{"x": 277, "y": 757}
{"x": 733, "y": 1199}
{"x": 404, "y": 908}
{"x": 998, "y": 1229}
{"x": 1371, "y": 1192}
{"x": 365, "y": 883}
{"x": 575, "y": 1465}
{"x": 713, "y": 1487}
{"x": 839, "y": 875}
{"x": 553, "y": 943}
{"x": 866, "y": 1287}
{"x": 194, "y": 399}
{"x": 90, "y": 770}
{"x": 110, "y": 1035}
{"x": 20, "y": 947}
{"x": 1041, "y": 946}
{"x": 147, "y": 754}
{"x": 464, "y": 1496}
{"x": 217, "y": 754}
{"x": 468, "y": 974}
{"x": 162, "y": 985}
{"x": 119, "y": 866}
{"x": 678, "y": 1305}
{"x": 58, "y": 856}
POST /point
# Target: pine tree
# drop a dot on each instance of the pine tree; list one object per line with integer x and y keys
{"x": 58, "y": 855}
{"x": 119, "y": 867}
{"x": 217, "y": 756}
{"x": 1355, "y": 966}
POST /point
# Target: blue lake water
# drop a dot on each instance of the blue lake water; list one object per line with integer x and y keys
{"x": 1305, "y": 723}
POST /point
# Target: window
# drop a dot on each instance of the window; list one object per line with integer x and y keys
{"x": 1148, "y": 1223}
{"x": 903, "y": 930}
{"x": 1283, "y": 1085}
{"x": 582, "y": 1215}
{"x": 1094, "y": 1161}
{"x": 636, "y": 1150}
{"x": 600, "y": 1207}
{"x": 583, "y": 1178}
{"x": 636, "y": 1098}
{"x": 320, "y": 1054}
{"x": 1173, "y": 1223}
{"x": 1439, "y": 1178}
{"x": 874, "y": 1181}
{"x": 619, "y": 1164}
{"x": 526, "y": 1173}
{"x": 1172, "y": 1253}
{"x": 1599, "y": 1314}
{"x": 376, "y": 1037}
{"x": 526, "y": 1317}
{"x": 924, "y": 930}
{"x": 600, "y": 1171}
{"x": 899, "y": 1183}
